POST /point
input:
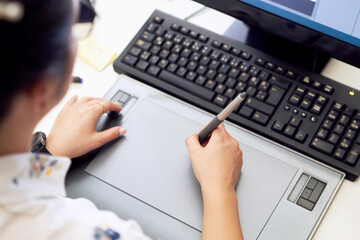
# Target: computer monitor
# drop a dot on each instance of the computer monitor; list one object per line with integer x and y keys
{"x": 329, "y": 27}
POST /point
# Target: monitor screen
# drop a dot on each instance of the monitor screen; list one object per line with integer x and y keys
{"x": 339, "y": 19}
{"x": 331, "y": 27}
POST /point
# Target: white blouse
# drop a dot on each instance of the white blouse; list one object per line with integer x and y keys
{"x": 33, "y": 204}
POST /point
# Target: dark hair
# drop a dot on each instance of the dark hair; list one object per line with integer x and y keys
{"x": 33, "y": 47}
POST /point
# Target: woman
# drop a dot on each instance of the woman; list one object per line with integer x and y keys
{"x": 37, "y": 57}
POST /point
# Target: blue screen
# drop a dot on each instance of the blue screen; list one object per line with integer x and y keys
{"x": 336, "y": 18}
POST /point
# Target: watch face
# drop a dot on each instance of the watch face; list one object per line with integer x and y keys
{"x": 38, "y": 141}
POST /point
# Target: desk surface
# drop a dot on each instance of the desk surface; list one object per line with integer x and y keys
{"x": 342, "y": 219}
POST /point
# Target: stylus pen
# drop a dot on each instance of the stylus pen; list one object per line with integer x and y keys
{"x": 213, "y": 124}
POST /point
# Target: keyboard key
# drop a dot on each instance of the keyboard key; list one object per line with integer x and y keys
{"x": 291, "y": 75}
{"x": 280, "y": 82}
{"x": 130, "y": 60}
{"x": 240, "y": 87}
{"x": 216, "y": 44}
{"x": 345, "y": 143}
{"x": 260, "y": 118}
{"x": 154, "y": 60}
{"x": 295, "y": 121}
{"x": 254, "y": 81}
{"x": 339, "y": 129}
{"x": 278, "y": 126}
{"x": 191, "y": 76}
{"x": 301, "y": 136}
{"x": 184, "y": 30}
{"x": 158, "y": 20}
{"x": 270, "y": 66}
{"x": 181, "y": 71}
{"x": 355, "y": 124}
{"x": 350, "y": 134}
{"x": 151, "y": 28}
{"x": 275, "y": 95}
{"x": 289, "y": 131}
{"x": 264, "y": 86}
{"x": 317, "y": 109}
{"x": 245, "y": 55}
{"x": 220, "y": 88}
{"x": 235, "y": 51}
{"x": 246, "y": 112}
{"x": 203, "y": 38}
{"x": 311, "y": 96}
{"x": 163, "y": 63}
{"x": 200, "y": 80}
{"x": 135, "y": 51}
{"x": 251, "y": 91}
{"x": 353, "y": 156}
{"x": 339, "y": 153}
{"x": 175, "y": 27}
{"x": 294, "y": 100}
{"x": 306, "y": 81}
{"x": 244, "y": 77}
{"x": 332, "y": 115}
{"x": 226, "y": 47}
{"x": 338, "y": 107}
{"x": 145, "y": 55}
{"x": 220, "y": 78}
{"x": 148, "y": 36}
{"x": 230, "y": 93}
{"x": 260, "y": 61}
{"x": 259, "y": 106}
{"x": 264, "y": 75}
{"x": 221, "y": 101}
{"x": 305, "y": 104}
{"x": 230, "y": 82}
{"x": 261, "y": 95}
{"x": 334, "y": 138}
{"x": 210, "y": 84}
{"x": 321, "y": 100}
{"x": 193, "y": 34}
{"x": 187, "y": 86}
{"x": 280, "y": 70}
{"x": 322, "y": 146}
{"x": 300, "y": 91}
{"x": 142, "y": 65}
{"x": 327, "y": 124}
{"x": 172, "y": 67}
{"x": 322, "y": 133}
{"x": 153, "y": 70}
{"x": 328, "y": 89}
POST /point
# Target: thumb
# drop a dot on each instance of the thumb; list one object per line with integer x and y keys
{"x": 109, "y": 135}
{"x": 192, "y": 142}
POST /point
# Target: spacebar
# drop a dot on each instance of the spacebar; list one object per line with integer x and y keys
{"x": 186, "y": 85}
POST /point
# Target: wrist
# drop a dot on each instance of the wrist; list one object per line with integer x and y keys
{"x": 217, "y": 191}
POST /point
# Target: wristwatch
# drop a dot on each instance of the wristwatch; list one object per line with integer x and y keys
{"x": 39, "y": 143}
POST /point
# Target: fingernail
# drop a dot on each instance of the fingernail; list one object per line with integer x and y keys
{"x": 122, "y": 131}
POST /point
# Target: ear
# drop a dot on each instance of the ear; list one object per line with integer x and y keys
{"x": 40, "y": 96}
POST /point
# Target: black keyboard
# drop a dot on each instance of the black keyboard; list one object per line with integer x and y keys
{"x": 301, "y": 110}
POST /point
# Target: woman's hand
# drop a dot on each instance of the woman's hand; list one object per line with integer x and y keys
{"x": 216, "y": 165}
{"x": 74, "y": 131}
{"x": 217, "y": 168}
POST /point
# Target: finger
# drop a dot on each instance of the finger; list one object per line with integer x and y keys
{"x": 105, "y": 105}
{"x": 85, "y": 99}
{"x": 109, "y": 135}
{"x": 72, "y": 100}
{"x": 192, "y": 142}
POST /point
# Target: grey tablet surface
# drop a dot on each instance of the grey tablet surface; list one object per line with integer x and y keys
{"x": 151, "y": 163}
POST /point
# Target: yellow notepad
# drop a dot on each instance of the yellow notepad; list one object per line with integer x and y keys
{"x": 96, "y": 53}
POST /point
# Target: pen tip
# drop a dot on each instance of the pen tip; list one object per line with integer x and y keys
{"x": 243, "y": 94}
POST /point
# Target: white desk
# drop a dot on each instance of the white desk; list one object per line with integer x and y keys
{"x": 120, "y": 20}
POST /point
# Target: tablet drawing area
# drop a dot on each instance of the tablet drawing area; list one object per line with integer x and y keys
{"x": 151, "y": 163}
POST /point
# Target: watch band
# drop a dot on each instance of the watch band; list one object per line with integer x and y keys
{"x": 39, "y": 143}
